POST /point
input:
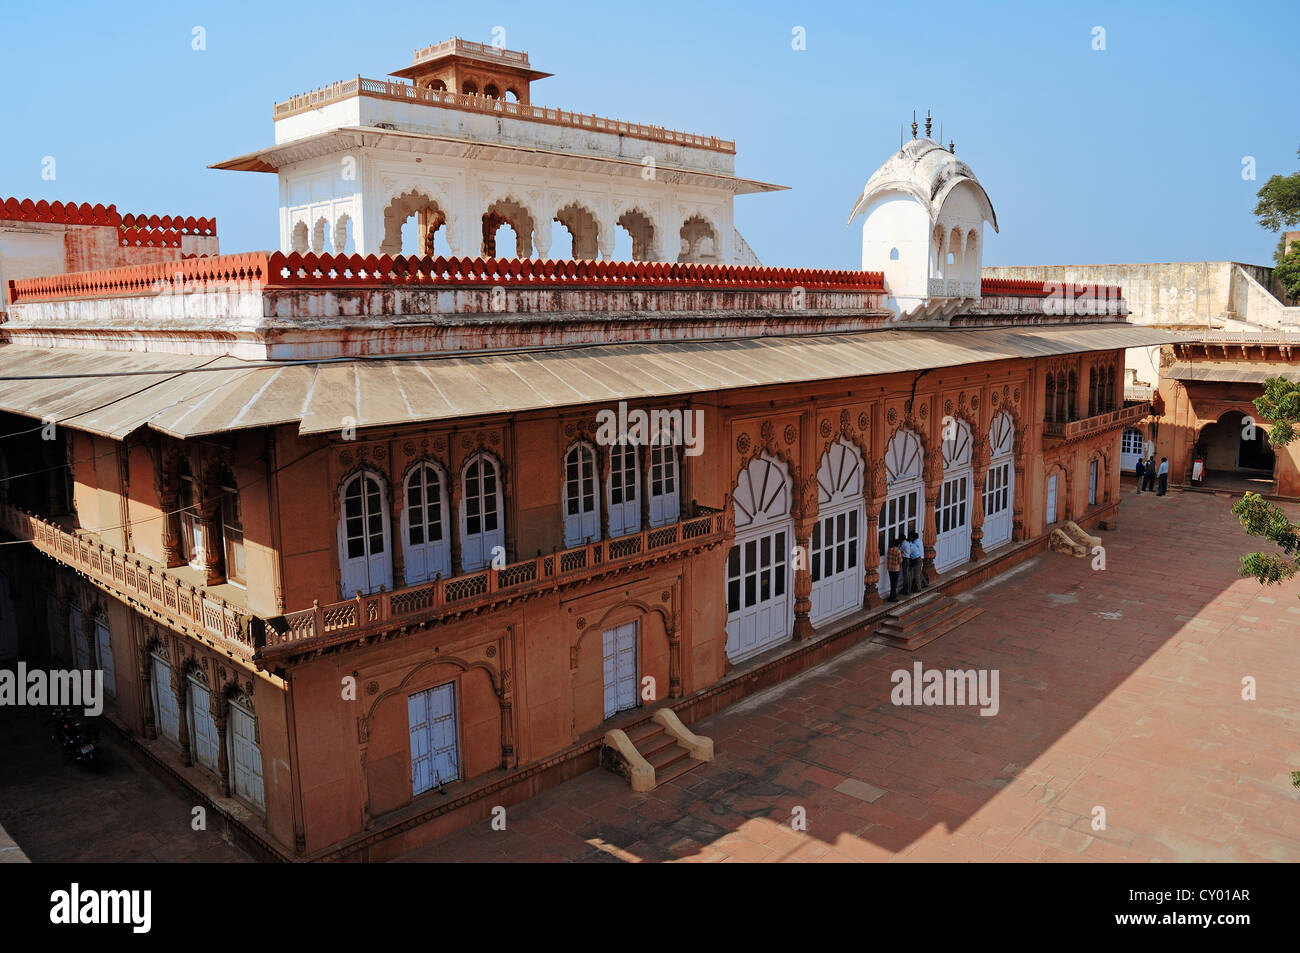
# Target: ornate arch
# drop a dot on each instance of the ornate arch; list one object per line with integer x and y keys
{"x": 506, "y": 208}
{"x": 784, "y": 451}
{"x": 409, "y": 198}
{"x": 583, "y": 626}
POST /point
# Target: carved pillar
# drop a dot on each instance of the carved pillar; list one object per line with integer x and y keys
{"x": 88, "y": 633}
{"x": 453, "y": 521}
{"x": 219, "y": 706}
{"x": 979, "y": 475}
{"x": 804, "y": 520}
{"x": 1018, "y": 490}
{"x": 602, "y": 463}
{"x": 209, "y": 511}
{"x": 645, "y": 486}
{"x": 674, "y": 659}
{"x": 933, "y": 484}
{"x": 179, "y": 687}
{"x": 146, "y": 684}
{"x": 506, "y": 700}
{"x": 877, "y": 490}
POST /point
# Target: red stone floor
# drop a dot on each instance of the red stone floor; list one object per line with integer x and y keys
{"x": 1119, "y": 689}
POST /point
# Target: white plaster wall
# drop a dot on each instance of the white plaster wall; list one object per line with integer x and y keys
{"x": 490, "y": 127}
{"x": 895, "y": 220}
{"x": 29, "y": 252}
{"x": 465, "y": 188}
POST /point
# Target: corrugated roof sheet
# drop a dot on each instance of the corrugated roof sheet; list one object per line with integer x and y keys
{"x": 1230, "y": 372}
{"x": 188, "y": 396}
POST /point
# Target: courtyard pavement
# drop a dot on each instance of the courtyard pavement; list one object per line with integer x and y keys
{"x": 110, "y": 810}
{"x": 1120, "y": 690}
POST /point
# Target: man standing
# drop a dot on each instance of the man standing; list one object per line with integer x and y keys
{"x": 909, "y": 564}
{"x": 918, "y": 562}
{"x": 1163, "y": 473}
{"x": 1149, "y": 482}
{"x": 894, "y": 560}
{"x": 1141, "y": 472}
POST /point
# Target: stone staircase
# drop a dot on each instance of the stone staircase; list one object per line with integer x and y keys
{"x": 919, "y": 621}
{"x": 656, "y": 752}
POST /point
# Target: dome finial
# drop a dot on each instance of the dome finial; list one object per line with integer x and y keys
{"x": 913, "y": 123}
{"x": 927, "y": 124}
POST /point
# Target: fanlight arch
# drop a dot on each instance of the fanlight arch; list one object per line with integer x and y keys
{"x": 839, "y": 478}
{"x": 1002, "y": 435}
{"x": 762, "y": 494}
{"x": 956, "y": 444}
{"x": 904, "y": 458}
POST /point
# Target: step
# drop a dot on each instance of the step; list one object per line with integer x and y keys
{"x": 655, "y": 744}
{"x": 914, "y": 638}
{"x": 662, "y": 758}
{"x": 677, "y": 769}
{"x": 919, "y": 623}
{"x": 919, "y": 607}
{"x": 646, "y": 732}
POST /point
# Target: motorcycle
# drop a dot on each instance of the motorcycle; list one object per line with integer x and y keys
{"x": 78, "y": 737}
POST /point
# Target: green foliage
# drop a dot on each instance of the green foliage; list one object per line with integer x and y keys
{"x": 1295, "y": 779}
{"x": 1280, "y": 406}
{"x": 1265, "y": 520}
{"x": 1279, "y": 201}
{"x": 1287, "y": 272}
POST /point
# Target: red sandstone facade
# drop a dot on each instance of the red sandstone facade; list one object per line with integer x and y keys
{"x": 215, "y": 568}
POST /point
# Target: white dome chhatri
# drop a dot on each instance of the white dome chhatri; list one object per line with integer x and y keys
{"x": 924, "y": 213}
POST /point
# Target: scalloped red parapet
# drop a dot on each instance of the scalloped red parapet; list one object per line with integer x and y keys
{"x": 70, "y": 213}
{"x": 275, "y": 269}
{"x": 1030, "y": 288}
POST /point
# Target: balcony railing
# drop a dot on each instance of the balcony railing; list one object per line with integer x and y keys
{"x": 184, "y": 605}
{"x": 1069, "y": 429}
{"x": 397, "y": 91}
{"x": 474, "y": 591}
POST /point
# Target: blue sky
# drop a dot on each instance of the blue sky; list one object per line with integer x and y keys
{"x": 1133, "y": 153}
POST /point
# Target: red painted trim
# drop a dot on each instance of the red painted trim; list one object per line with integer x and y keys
{"x": 1026, "y": 288}
{"x": 59, "y": 213}
{"x": 276, "y": 270}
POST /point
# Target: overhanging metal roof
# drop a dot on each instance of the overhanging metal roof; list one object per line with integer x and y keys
{"x": 1231, "y": 372}
{"x": 190, "y": 396}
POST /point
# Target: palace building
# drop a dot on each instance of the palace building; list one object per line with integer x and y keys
{"x": 350, "y": 533}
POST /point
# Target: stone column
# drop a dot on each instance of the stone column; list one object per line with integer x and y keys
{"x": 1018, "y": 491}
{"x": 88, "y": 633}
{"x": 146, "y": 683}
{"x": 209, "y": 511}
{"x": 219, "y": 706}
{"x": 978, "y": 476}
{"x": 674, "y": 659}
{"x": 933, "y": 484}
{"x": 876, "y": 495}
{"x": 805, "y": 519}
{"x": 171, "y": 531}
{"x": 179, "y": 688}
{"x": 453, "y": 519}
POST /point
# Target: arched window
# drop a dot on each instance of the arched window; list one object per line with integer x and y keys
{"x": 192, "y": 542}
{"x": 1071, "y": 396}
{"x": 104, "y": 651}
{"x": 581, "y": 502}
{"x": 623, "y": 489}
{"x": 665, "y": 485}
{"x": 1049, "y": 401}
{"x": 1110, "y": 387}
{"x": 364, "y": 560}
{"x": 999, "y": 481}
{"x": 426, "y": 543}
{"x": 837, "y": 542}
{"x": 1092, "y": 391}
{"x": 902, "y": 512}
{"x": 952, "y": 508}
{"x": 482, "y": 527}
{"x": 759, "y": 610}
{"x": 491, "y": 90}
{"x": 232, "y": 529}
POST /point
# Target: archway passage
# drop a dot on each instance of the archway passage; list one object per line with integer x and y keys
{"x": 642, "y": 232}
{"x": 512, "y": 213}
{"x": 1236, "y": 453}
{"x": 699, "y": 241}
{"x": 583, "y": 230}
{"x": 429, "y": 218}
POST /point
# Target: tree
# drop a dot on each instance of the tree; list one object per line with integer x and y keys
{"x": 1279, "y": 204}
{"x": 1288, "y": 272}
{"x": 1280, "y": 405}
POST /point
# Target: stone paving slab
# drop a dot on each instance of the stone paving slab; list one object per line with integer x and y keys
{"x": 1118, "y": 689}
{"x": 108, "y": 811}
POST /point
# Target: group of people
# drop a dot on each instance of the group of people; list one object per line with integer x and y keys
{"x": 1148, "y": 474}
{"x": 905, "y": 560}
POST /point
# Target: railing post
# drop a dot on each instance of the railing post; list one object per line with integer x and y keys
{"x": 317, "y": 618}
